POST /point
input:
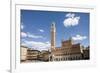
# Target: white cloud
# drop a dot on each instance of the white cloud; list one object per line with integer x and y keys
{"x": 79, "y": 37}
{"x": 41, "y": 30}
{"x": 23, "y": 44}
{"x": 34, "y": 36}
{"x": 70, "y": 15}
{"x": 71, "y": 20}
{"x": 23, "y": 34}
{"x": 37, "y": 45}
{"x": 22, "y": 26}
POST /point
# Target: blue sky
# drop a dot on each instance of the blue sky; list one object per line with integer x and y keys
{"x": 35, "y": 28}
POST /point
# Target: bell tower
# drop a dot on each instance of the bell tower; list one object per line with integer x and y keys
{"x": 53, "y": 36}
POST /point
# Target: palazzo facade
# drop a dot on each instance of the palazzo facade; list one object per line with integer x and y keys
{"x": 67, "y": 51}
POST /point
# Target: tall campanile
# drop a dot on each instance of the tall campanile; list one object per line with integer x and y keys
{"x": 53, "y": 36}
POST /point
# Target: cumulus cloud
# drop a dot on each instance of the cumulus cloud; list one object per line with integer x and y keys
{"x": 79, "y": 37}
{"x": 37, "y": 45}
{"x": 71, "y": 20}
{"x": 29, "y": 35}
{"x": 23, "y": 34}
{"x": 70, "y": 15}
{"x": 41, "y": 30}
{"x": 33, "y": 36}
